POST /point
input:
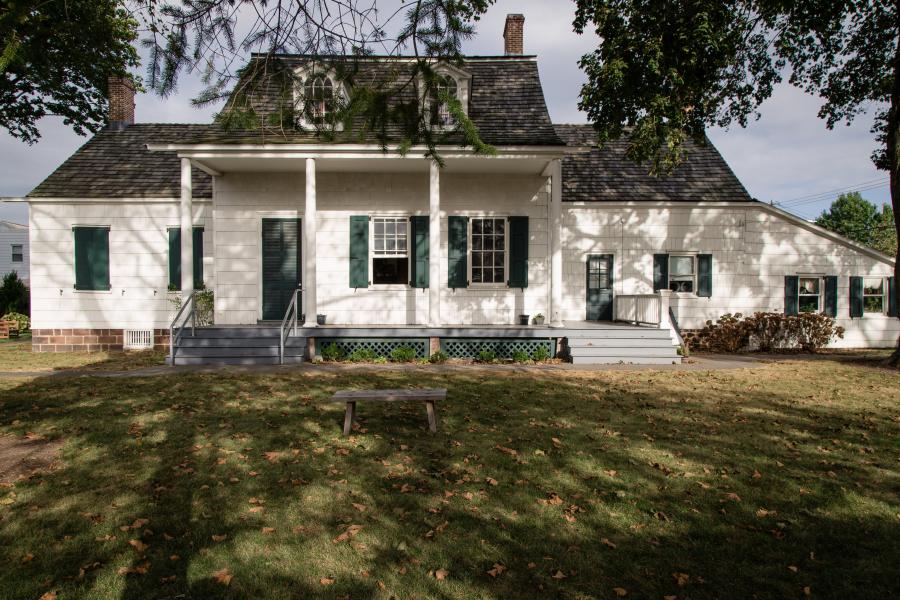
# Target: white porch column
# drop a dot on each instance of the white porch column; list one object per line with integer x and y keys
{"x": 310, "y": 304}
{"x": 434, "y": 246}
{"x": 187, "y": 230}
{"x": 556, "y": 261}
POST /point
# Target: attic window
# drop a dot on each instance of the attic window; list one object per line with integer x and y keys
{"x": 318, "y": 97}
{"x": 442, "y": 115}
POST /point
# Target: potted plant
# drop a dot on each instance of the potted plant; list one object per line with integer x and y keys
{"x": 320, "y": 319}
{"x": 539, "y": 319}
{"x": 523, "y": 319}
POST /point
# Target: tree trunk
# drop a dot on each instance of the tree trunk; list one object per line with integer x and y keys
{"x": 893, "y": 135}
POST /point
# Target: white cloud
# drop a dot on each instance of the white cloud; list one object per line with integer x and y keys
{"x": 787, "y": 154}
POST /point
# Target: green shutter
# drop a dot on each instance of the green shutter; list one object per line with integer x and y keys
{"x": 419, "y": 232}
{"x": 175, "y": 258}
{"x": 198, "y": 258}
{"x": 660, "y": 272}
{"x": 91, "y": 258}
{"x": 831, "y": 293}
{"x": 518, "y": 252}
{"x": 457, "y": 245}
{"x": 359, "y": 251}
{"x": 856, "y": 297}
{"x": 791, "y": 295}
{"x": 892, "y": 297}
{"x": 704, "y": 275}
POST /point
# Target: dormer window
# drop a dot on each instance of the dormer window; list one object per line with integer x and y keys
{"x": 318, "y": 97}
{"x": 445, "y": 85}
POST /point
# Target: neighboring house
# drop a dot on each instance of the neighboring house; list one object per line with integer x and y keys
{"x": 14, "y": 249}
{"x": 396, "y": 250}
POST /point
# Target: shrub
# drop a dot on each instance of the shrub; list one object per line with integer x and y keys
{"x": 766, "y": 331}
{"x": 14, "y": 296}
{"x": 380, "y": 360}
{"x": 403, "y": 354}
{"x": 362, "y": 355}
{"x": 23, "y": 320}
{"x": 541, "y": 354}
{"x": 486, "y": 356}
{"x": 332, "y": 352}
{"x": 204, "y": 305}
{"x": 438, "y": 357}
{"x": 520, "y": 356}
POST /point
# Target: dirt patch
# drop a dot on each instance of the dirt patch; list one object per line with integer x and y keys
{"x": 22, "y": 456}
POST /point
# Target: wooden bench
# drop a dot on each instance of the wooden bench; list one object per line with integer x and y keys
{"x": 427, "y": 395}
{"x": 9, "y": 329}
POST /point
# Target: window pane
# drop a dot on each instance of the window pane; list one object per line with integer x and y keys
{"x": 681, "y": 265}
{"x": 809, "y": 285}
{"x": 379, "y": 226}
{"x": 390, "y": 270}
{"x": 499, "y": 225}
{"x": 488, "y": 242}
{"x": 498, "y": 259}
{"x": 809, "y": 304}
{"x": 389, "y": 228}
{"x": 476, "y": 259}
{"x": 476, "y": 226}
{"x": 874, "y": 286}
{"x": 476, "y": 275}
{"x": 498, "y": 275}
{"x": 874, "y": 304}
{"x": 488, "y": 226}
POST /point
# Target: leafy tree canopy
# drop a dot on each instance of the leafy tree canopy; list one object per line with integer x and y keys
{"x": 56, "y": 58}
{"x": 856, "y": 218}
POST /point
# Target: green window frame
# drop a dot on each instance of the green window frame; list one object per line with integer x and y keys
{"x": 91, "y": 258}
{"x": 175, "y": 258}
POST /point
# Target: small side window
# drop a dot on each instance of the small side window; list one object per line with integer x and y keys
{"x": 873, "y": 294}
{"x": 17, "y": 254}
{"x": 810, "y": 294}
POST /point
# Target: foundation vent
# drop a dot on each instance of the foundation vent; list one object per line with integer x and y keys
{"x": 138, "y": 339}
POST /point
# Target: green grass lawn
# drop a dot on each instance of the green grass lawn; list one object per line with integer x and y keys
{"x": 773, "y": 482}
{"x": 16, "y": 355}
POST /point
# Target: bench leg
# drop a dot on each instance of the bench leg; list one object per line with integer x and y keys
{"x": 432, "y": 417}
{"x": 349, "y": 415}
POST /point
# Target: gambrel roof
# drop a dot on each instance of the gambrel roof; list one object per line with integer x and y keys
{"x": 607, "y": 175}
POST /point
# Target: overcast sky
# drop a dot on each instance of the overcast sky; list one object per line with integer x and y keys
{"x": 787, "y": 154}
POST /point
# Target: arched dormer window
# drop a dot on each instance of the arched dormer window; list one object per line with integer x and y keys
{"x": 445, "y": 85}
{"x": 318, "y": 92}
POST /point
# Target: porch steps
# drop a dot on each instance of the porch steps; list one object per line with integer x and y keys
{"x": 614, "y": 344}
{"x": 237, "y": 346}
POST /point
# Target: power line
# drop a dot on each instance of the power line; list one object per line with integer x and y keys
{"x": 859, "y": 187}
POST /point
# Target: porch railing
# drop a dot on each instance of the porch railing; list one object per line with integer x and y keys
{"x": 639, "y": 308}
{"x": 176, "y": 330}
{"x": 288, "y": 323}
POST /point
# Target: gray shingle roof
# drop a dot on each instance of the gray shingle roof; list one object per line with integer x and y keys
{"x": 608, "y": 176}
{"x": 117, "y": 164}
{"x": 506, "y": 103}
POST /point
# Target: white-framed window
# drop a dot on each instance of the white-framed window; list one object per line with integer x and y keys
{"x": 318, "y": 97}
{"x": 683, "y": 273}
{"x": 17, "y": 253}
{"x": 874, "y": 290}
{"x": 442, "y": 115}
{"x": 488, "y": 243}
{"x": 389, "y": 250}
{"x": 809, "y": 294}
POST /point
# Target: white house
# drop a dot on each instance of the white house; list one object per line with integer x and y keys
{"x": 394, "y": 249}
{"x": 14, "y": 249}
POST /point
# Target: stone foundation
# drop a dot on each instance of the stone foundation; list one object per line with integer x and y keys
{"x": 88, "y": 340}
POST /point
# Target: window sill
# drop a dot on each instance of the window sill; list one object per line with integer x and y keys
{"x": 392, "y": 287}
{"x": 109, "y": 291}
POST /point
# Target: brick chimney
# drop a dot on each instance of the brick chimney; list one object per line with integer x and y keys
{"x": 513, "y": 39}
{"x": 121, "y": 102}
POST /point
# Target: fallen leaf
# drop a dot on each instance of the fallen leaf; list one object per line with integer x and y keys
{"x": 174, "y": 558}
{"x": 497, "y": 569}
{"x": 491, "y": 481}
{"x": 351, "y": 531}
{"x": 27, "y": 558}
{"x": 554, "y": 499}
{"x": 273, "y": 457}
{"x": 135, "y": 570}
{"x": 138, "y": 545}
{"x": 620, "y": 591}
{"x": 268, "y": 530}
{"x": 48, "y": 596}
{"x": 731, "y": 496}
{"x": 441, "y": 574}
{"x": 326, "y": 580}
{"x": 756, "y": 474}
{"x": 611, "y": 472}
{"x": 224, "y": 577}
{"x": 556, "y": 442}
{"x": 606, "y": 542}
{"x": 681, "y": 579}
{"x": 359, "y": 507}
{"x": 559, "y": 575}
{"x": 169, "y": 579}
{"x": 506, "y": 450}
{"x": 219, "y": 538}
{"x": 792, "y": 568}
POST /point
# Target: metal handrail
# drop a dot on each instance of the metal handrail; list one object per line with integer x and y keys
{"x": 192, "y": 315}
{"x": 292, "y": 309}
{"x": 675, "y": 327}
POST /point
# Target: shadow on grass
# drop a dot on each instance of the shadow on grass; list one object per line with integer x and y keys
{"x": 754, "y": 483}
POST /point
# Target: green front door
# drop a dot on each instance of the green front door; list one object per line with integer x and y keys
{"x": 599, "y": 287}
{"x": 280, "y": 265}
